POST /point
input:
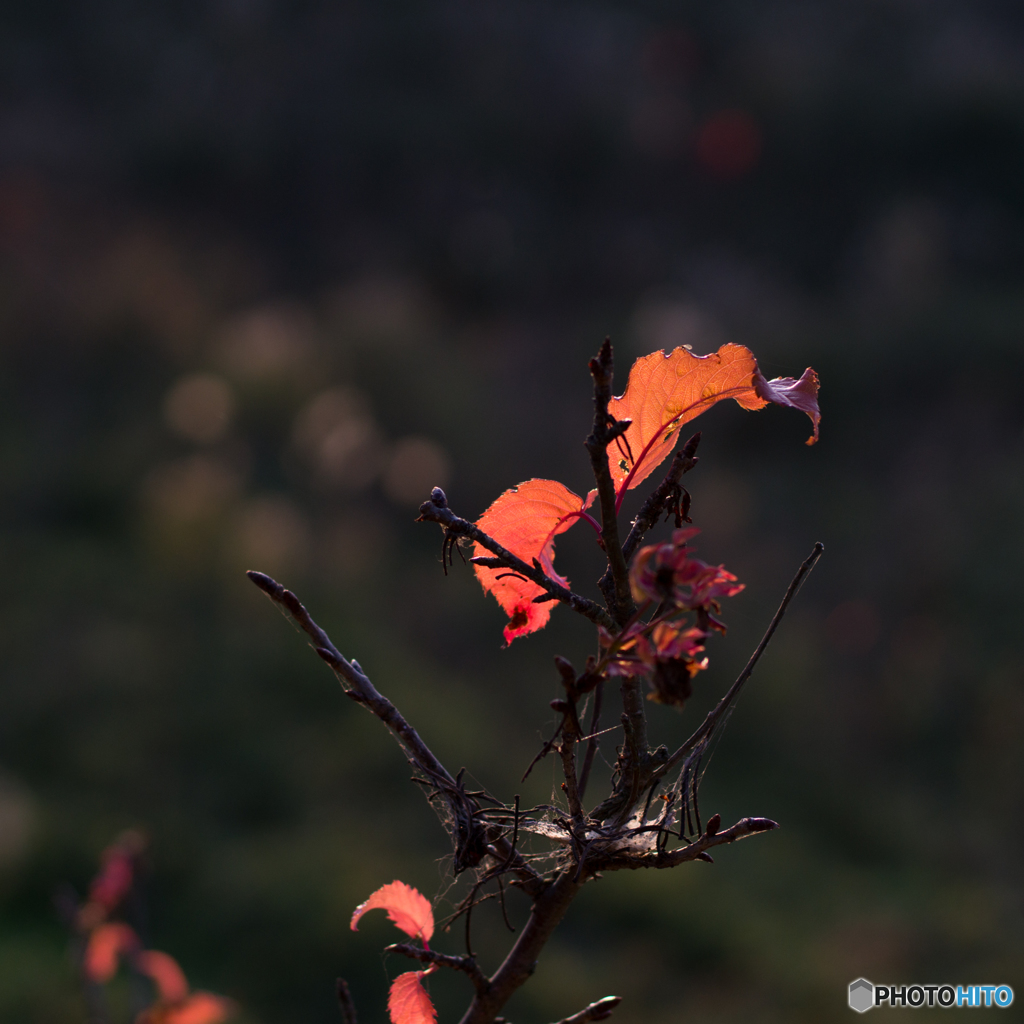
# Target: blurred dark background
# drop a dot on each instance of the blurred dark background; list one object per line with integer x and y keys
{"x": 269, "y": 271}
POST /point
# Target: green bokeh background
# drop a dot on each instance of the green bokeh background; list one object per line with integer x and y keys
{"x": 440, "y": 210}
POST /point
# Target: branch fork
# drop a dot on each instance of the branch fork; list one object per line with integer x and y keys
{"x": 621, "y": 832}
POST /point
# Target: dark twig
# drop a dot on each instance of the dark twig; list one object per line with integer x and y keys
{"x": 601, "y": 1010}
{"x": 542, "y": 753}
{"x": 616, "y": 588}
{"x": 592, "y": 738}
{"x": 618, "y": 861}
{"x": 665, "y": 496}
{"x": 345, "y": 1004}
{"x": 501, "y": 902}
{"x": 567, "y": 749}
{"x": 515, "y": 836}
{"x": 470, "y": 836}
{"x": 548, "y": 909}
{"x": 436, "y": 510}
{"x": 606, "y": 430}
{"x": 466, "y": 964}
{"x": 716, "y": 714}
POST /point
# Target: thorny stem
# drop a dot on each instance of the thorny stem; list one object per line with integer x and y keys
{"x": 605, "y": 430}
{"x": 436, "y": 510}
{"x": 616, "y": 590}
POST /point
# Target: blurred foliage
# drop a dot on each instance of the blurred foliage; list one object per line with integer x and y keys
{"x": 269, "y": 271}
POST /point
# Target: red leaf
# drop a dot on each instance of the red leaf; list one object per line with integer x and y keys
{"x": 407, "y": 908}
{"x": 526, "y": 519}
{"x": 408, "y": 1002}
{"x": 114, "y": 879}
{"x": 200, "y": 1008}
{"x": 667, "y": 390}
{"x": 106, "y": 944}
{"x": 165, "y": 972}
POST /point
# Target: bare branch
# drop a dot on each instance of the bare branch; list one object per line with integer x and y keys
{"x": 605, "y": 430}
{"x": 466, "y": 964}
{"x": 345, "y": 1004}
{"x": 601, "y": 1010}
{"x": 616, "y": 588}
{"x": 697, "y": 850}
{"x": 358, "y": 683}
{"x": 436, "y": 510}
{"x": 714, "y": 716}
{"x": 548, "y": 910}
{"x": 470, "y": 836}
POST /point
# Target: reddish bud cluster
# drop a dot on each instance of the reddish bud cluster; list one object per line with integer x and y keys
{"x": 667, "y": 572}
{"x": 669, "y": 649}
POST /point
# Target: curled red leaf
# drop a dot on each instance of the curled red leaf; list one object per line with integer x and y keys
{"x": 666, "y": 390}
{"x": 168, "y": 977}
{"x": 407, "y": 909}
{"x": 408, "y": 1000}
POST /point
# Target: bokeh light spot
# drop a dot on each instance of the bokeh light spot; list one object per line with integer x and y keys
{"x": 199, "y": 407}
{"x": 417, "y": 464}
{"x": 853, "y": 627}
{"x": 728, "y": 144}
{"x": 272, "y": 535}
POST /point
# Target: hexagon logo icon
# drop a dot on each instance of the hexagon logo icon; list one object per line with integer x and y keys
{"x": 862, "y": 995}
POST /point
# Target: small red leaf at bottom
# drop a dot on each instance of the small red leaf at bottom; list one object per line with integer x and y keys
{"x": 106, "y": 944}
{"x": 201, "y": 1008}
{"x": 408, "y": 1002}
{"x": 165, "y": 972}
{"x": 407, "y": 909}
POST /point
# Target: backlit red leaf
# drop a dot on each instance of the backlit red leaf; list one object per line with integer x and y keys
{"x": 408, "y": 1002}
{"x": 200, "y": 1008}
{"x": 165, "y": 972}
{"x": 526, "y": 520}
{"x": 106, "y": 945}
{"x": 667, "y": 390}
{"x": 407, "y": 908}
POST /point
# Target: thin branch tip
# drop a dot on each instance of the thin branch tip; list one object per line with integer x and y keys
{"x": 266, "y": 583}
{"x": 345, "y": 1003}
{"x": 601, "y": 1010}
